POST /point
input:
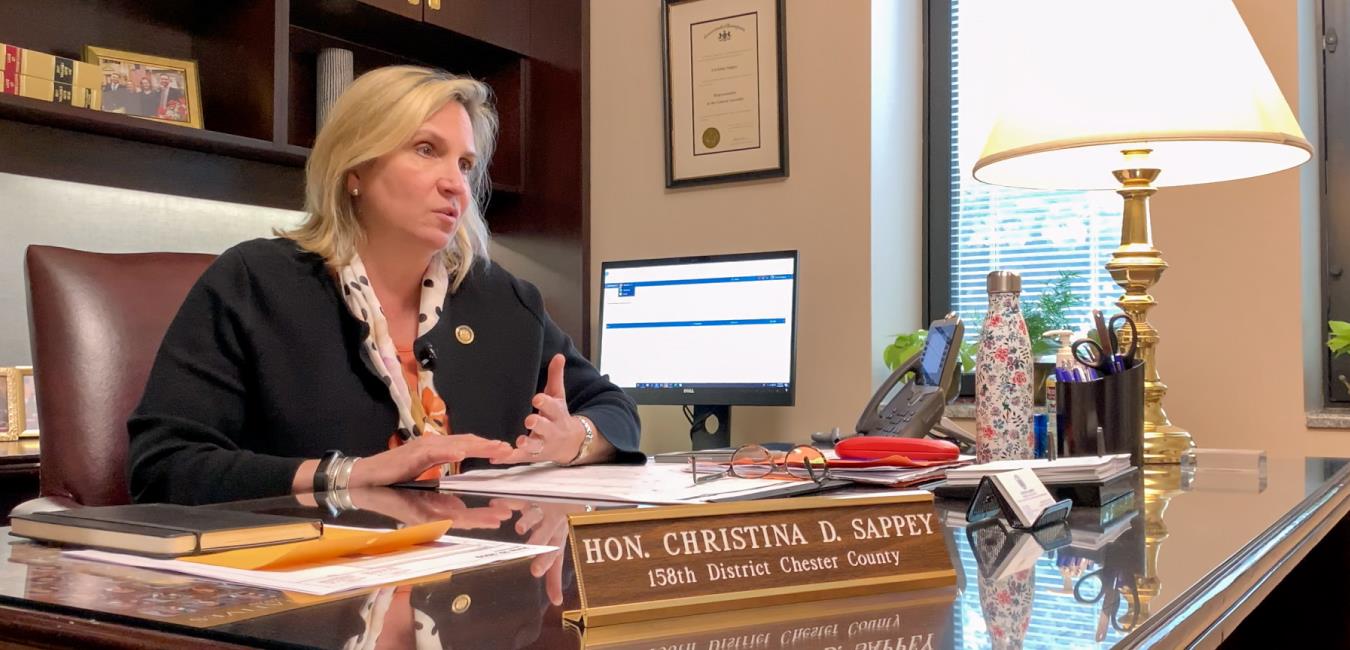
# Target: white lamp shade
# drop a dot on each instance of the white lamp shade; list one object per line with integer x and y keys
{"x": 1091, "y": 78}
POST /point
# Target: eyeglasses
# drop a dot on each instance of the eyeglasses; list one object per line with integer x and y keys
{"x": 755, "y": 461}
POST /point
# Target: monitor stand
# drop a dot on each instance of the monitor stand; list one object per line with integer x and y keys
{"x": 711, "y": 427}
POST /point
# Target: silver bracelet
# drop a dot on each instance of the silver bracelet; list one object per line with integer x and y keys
{"x": 331, "y": 473}
{"x": 339, "y": 501}
{"x": 345, "y": 472}
{"x": 585, "y": 442}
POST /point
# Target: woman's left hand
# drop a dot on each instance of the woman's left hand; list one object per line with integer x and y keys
{"x": 555, "y": 434}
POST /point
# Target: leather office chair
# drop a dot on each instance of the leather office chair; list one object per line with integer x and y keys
{"x": 96, "y": 322}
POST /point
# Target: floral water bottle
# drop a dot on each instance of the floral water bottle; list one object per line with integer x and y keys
{"x": 1003, "y": 374}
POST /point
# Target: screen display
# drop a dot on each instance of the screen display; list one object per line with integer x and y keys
{"x": 934, "y": 353}
{"x": 699, "y": 323}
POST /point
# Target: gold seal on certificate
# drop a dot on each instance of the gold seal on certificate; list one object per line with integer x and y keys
{"x": 711, "y": 137}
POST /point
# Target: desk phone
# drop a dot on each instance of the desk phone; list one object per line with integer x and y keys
{"x": 917, "y": 405}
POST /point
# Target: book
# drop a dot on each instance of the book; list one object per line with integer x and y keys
{"x": 41, "y": 65}
{"x": 163, "y": 529}
{"x": 1095, "y": 540}
{"x": 49, "y": 91}
{"x": 9, "y": 57}
{"x": 1091, "y": 493}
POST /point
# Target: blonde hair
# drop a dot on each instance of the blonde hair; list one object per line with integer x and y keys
{"x": 379, "y": 113}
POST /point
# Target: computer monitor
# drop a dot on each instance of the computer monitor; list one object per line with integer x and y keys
{"x": 709, "y": 332}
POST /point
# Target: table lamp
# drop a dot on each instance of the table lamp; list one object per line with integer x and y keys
{"x": 1136, "y": 96}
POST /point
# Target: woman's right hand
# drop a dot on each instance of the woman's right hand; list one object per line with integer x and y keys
{"x": 405, "y": 462}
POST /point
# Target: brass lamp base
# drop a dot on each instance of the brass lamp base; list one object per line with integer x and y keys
{"x": 1166, "y": 445}
{"x": 1136, "y": 266}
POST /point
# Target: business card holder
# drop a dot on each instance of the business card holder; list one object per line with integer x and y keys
{"x": 988, "y": 503}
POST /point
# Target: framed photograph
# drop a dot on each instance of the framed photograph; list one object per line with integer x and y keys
{"x": 726, "y": 91}
{"x": 19, "y": 416}
{"x": 149, "y": 87}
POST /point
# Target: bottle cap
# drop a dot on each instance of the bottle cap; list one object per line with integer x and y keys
{"x": 1004, "y": 282}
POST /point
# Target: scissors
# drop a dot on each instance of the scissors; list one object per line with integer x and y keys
{"x": 1108, "y": 588}
{"x": 1105, "y": 354}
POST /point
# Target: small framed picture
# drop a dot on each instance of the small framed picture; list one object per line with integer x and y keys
{"x": 19, "y": 416}
{"x": 149, "y": 87}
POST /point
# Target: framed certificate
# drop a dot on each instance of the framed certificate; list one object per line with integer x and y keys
{"x": 726, "y": 91}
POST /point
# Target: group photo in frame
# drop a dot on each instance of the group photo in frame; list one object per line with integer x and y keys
{"x": 725, "y": 91}
{"x": 20, "y": 416}
{"x": 149, "y": 87}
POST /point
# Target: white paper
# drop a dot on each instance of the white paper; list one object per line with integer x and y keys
{"x": 724, "y": 55}
{"x": 653, "y": 483}
{"x": 449, "y": 553}
{"x": 1063, "y": 470}
{"x": 1024, "y": 493}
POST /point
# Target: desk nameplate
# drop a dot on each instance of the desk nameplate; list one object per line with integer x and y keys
{"x": 636, "y": 565}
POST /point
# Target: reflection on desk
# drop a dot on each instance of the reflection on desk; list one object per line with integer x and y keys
{"x": 1149, "y": 571}
{"x": 901, "y": 620}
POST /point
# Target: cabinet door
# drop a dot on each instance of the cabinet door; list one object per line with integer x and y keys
{"x": 1336, "y": 197}
{"x": 406, "y": 8}
{"x": 504, "y": 23}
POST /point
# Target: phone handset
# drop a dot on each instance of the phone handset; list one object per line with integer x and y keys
{"x": 905, "y": 413}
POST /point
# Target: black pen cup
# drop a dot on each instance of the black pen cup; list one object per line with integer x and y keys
{"x": 1102, "y": 416}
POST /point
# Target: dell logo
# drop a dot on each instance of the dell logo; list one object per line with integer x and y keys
{"x": 689, "y": 391}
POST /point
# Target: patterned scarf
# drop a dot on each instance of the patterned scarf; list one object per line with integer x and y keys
{"x": 426, "y": 414}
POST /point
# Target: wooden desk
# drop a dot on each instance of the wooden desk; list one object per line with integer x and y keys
{"x": 1187, "y": 563}
{"x": 18, "y": 474}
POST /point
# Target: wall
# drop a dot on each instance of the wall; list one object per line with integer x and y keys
{"x": 1232, "y": 306}
{"x": 823, "y": 209}
{"x": 897, "y": 174}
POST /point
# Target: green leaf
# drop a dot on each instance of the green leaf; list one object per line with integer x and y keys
{"x": 1050, "y": 312}
{"x": 904, "y": 347}
{"x": 968, "y": 351}
{"x": 1339, "y": 340}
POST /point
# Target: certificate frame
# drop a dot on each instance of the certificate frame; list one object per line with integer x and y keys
{"x": 720, "y": 126}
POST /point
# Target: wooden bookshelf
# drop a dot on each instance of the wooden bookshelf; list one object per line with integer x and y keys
{"x": 256, "y": 61}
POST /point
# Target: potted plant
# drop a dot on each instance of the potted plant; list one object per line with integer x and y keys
{"x": 909, "y": 344}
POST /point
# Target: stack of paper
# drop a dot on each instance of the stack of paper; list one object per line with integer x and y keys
{"x": 448, "y": 553}
{"x": 1083, "y": 469}
{"x": 895, "y": 476}
{"x": 654, "y": 483}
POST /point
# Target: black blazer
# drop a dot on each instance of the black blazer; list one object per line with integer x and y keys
{"x": 263, "y": 368}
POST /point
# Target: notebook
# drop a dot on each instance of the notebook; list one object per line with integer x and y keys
{"x": 163, "y": 529}
{"x": 1064, "y": 470}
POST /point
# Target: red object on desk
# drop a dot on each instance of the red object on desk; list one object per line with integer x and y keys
{"x": 884, "y": 447}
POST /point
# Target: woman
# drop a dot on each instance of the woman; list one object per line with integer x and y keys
{"x": 375, "y": 343}
{"x": 147, "y": 100}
